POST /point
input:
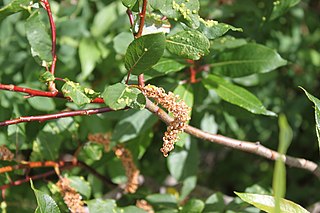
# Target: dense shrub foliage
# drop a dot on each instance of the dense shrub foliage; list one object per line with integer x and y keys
{"x": 244, "y": 69}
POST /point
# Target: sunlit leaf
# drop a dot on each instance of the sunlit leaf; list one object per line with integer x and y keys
{"x": 247, "y": 60}
{"x": 267, "y": 203}
{"x": 236, "y": 95}
{"x": 144, "y": 52}
{"x": 45, "y": 202}
{"x": 188, "y": 44}
{"x": 38, "y": 37}
{"x": 14, "y": 6}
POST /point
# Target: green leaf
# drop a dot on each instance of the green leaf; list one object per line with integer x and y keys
{"x": 73, "y": 90}
{"x": 183, "y": 162}
{"x": 42, "y": 103}
{"x": 162, "y": 200}
{"x": 246, "y": 60}
{"x": 212, "y": 29}
{"x": 121, "y": 42}
{"x": 282, "y": 6}
{"x": 279, "y": 176}
{"x": 46, "y": 146}
{"x": 163, "y": 67}
{"x": 119, "y": 95}
{"x": 186, "y": 11}
{"x": 316, "y": 102}
{"x": 193, "y": 206}
{"x": 236, "y": 95}
{"x": 129, "y": 3}
{"x": 78, "y": 94}
{"x": 89, "y": 55}
{"x": 105, "y": 18}
{"x": 132, "y": 124}
{"x": 13, "y": 7}
{"x": 215, "y": 203}
{"x": 129, "y": 209}
{"x": 46, "y": 77}
{"x": 92, "y": 151}
{"x": 188, "y": 44}
{"x": 144, "y": 52}
{"x": 38, "y": 37}
{"x": 188, "y": 185}
{"x": 267, "y": 203}
{"x": 81, "y": 186}
{"x": 227, "y": 42}
{"x": 112, "y": 94}
{"x": 45, "y": 203}
{"x": 101, "y": 206}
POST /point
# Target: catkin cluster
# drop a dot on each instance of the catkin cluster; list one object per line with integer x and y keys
{"x": 179, "y": 109}
{"x": 126, "y": 158}
{"x": 103, "y": 139}
{"x": 5, "y": 153}
{"x": 70, "y": 196}
{"x": 143, "y": 204}
{"x": 132, "y": 172}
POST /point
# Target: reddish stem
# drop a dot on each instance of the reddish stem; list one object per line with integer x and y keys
{"x": 33, "y": 92}
{"x": 129, "y": 13}
{"x": 42, "y": 118}
{"x": 52, "y": 86}
{"x": 142, "y": 18}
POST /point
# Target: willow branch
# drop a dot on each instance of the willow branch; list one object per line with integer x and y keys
{"x": 33, "y": 92}
{"x": 42, "y": 118}
{"x": 246, "y": 146}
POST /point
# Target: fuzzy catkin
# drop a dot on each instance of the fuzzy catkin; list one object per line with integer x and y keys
{"x": 70, "y": 196}
{"x": 179, "y": 109}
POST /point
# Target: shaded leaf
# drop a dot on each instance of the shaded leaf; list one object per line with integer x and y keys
{"x": 46, "y": 146}
{"x": 188, "y": 185}
{"x": 101, "y": 206}
{"x": 81, "y": 186}
{"x": 163, "y": 67}
{"x": 129, "y": 3}
{"x": 89, "y": 55}
{"x": 144, "y": 52}
{"x": 122, "y": 41}
{"x": 161, "y": 200}
{"x": 42, "y": 103}
{"x": 188, "y": 44}
{"x": 267, "y": 203}
{"x": 45, "y": 203}
{"x": 281, "y": 7}
{"x": 236, "y": 95}
{"x": 38, "y": 37}
{"x": 183, "y": 162}
{"x": 212, "y": 29}
{"x": 227, "y": 42}
{"x": 279, "y": 176}
{"x": 185, "y": 11}
{"x": 46, "y": 77}
{"x": 112, "y": 94}
{"x": 246, "y": 60}
{"x": 119, "y": 95}
{"x": 132, "y": 124}
{"x": 13, "y": 7}
{"x": 316, "y": 102}
{"x": 193, "y": 206}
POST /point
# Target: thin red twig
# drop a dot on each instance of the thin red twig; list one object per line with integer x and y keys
{"x": 46, "y": 5}
{"x": 42, "y": 118}
{"x": 142, "y": 18}
{"x": 131, "y": 20}
{"x": 33, "y": 92}
{"x": 34, "y": 177}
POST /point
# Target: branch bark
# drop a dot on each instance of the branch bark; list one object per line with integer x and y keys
{"x": 246, "y": 146}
